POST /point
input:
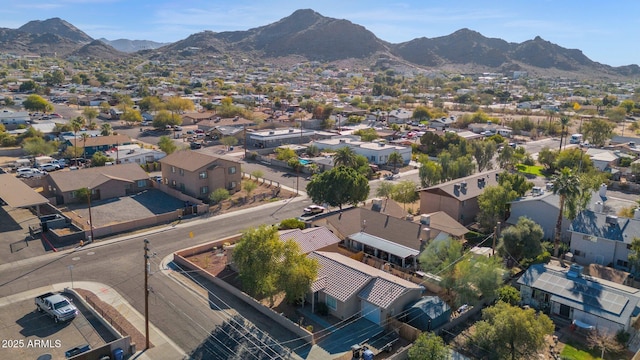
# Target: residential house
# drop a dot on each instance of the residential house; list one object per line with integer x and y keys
{"x": 398, "y": 241}
{"x": 603, "y": 239}
{"x": 312, "y": 239}
{"x": 458, "y": 198}
{"x": 198, "y": 175}
{"x": 219, "y": 132}
{"x": 277, "y": 137}
{"x": 399, "y": 116}
{"x": 376, "y": 152}
{"x": 543, "y": 209}
{"x": 587, "y": 301}
{"x": 14, "y": 117}
{"x": 124, "y": 154}
{"x": 105, "y": 182}
{"x": 442, "y": 123}
{"x": 94, "y": 144}
{"x": 351, "y": 288}
{"x": 603, "y": 159}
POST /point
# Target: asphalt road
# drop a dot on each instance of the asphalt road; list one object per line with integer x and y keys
{"x": 185, "y": 318}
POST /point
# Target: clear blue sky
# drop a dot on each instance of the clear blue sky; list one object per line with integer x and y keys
{"x": 605, "y": 31}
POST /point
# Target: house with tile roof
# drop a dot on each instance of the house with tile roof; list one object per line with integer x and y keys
{"x": 458, "y": 198}
{"x": 392, "y": 239}
{"x": 105, "y": 182}
{"x": 351, "y": 288}
{"x": 198, "y": 175}
{"x": 603, "y": 239}
{"x": 312, "y": 239}
{"x": 93, "y": 144}
{"x": 587, "y": 301}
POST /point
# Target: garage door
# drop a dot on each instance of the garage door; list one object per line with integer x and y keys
{"x": 371, "y": 312}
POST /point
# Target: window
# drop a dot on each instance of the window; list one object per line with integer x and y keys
{"x": 182, "y": 172}
{"x": 202, "y": 175}
{"x": 74, "y": 194}
{"x": 173, "y": 183}
{"x": 232, "y": 170}
{"x": 173, "y": 169}
{"x": 142, "y": 183}
{"x": 204, "y": 190}
{"x": 622, "y": 263}
{"x": 232, "y": 185}
{"x": 182, "y": 187}
{"x": 332, "y": 303}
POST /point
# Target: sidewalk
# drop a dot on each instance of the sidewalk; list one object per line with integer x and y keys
{"x": 163, "y": 347}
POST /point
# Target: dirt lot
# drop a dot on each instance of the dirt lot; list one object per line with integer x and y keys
{"x": 263, "y": 193}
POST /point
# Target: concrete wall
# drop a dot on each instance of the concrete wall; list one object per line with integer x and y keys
{"x": 134, "y": 224}
{"x": 601, "y": 252}
{"x": 280, "y": 320}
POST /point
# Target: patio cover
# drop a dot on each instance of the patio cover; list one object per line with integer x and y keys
{"x": 17, "y": 194}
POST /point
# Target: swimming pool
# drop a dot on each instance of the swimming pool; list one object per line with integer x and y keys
{"x": 304, "y": 162}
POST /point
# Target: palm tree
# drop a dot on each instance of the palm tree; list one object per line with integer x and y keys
{"x": 567, "y": 185}
{"x": 564, "y": 121}
{"x": 344, "y": 156}
{"x": 105, "y": 129}
{"x": 84, "y": 136}
{"x": 395, "y": 159}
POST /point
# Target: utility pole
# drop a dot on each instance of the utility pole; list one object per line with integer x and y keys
{"x": 496, "y": 236}
{"x": 90, "y": 218}
{"x": 146, "y": 293}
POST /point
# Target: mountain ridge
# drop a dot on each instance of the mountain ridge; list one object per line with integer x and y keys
{"x": 312, "y": 36}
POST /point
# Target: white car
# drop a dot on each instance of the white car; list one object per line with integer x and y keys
{"x": 313, "y": 210}
{"x": 23, "y": 171}
{"x": 48, "y": 167}
{"x": 34, "y": 173}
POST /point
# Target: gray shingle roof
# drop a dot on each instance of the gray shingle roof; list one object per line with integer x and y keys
{"x": 92, "y": 177}
{"x": 310, "y": 239}
{"x": 592, "y": 223}
{"x": 475, "y": 185}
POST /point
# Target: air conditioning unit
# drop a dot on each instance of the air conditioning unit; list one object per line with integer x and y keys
{"x": 612, "y": 220}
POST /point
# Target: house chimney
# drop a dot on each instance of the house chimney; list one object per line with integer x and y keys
{"x": 377, "y": 205}
{"x": 426, "y": 234}
{"x": 425, "y": 219}
{"x": 603, "y": 190}
{"x": 598, "y": 207}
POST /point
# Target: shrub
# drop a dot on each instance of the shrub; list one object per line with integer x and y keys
{"x": 292, "y": 223}
{"x": 623, "y": 337}
{"x": 253, "y": 155}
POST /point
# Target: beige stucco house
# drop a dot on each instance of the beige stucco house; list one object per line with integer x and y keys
{"x": 198, "y": 175}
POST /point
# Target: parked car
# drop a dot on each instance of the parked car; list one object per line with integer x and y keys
{"x": 177, "y": 128}
{"x": 313, "y": 210}
{"x": 34, "y": 173}
{"x": 48, "y": 167}
{"x": 23, "y": 170}
{"x": 59, "y": 307}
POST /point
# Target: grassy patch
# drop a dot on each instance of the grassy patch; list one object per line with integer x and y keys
{"x": 531, "y": 169}
{"x": 571, "y": 353}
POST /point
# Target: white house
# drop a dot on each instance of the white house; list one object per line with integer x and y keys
{"x": 8, "y": 117}
{"x": 133, "y": 153}
{"x": 376, "y": 152}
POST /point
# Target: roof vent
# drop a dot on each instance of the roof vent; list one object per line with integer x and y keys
{"x": 463, "y": 185}
{"x": 575, "y": 271}
{"x": 290, "y": 130}
{"x": 272, "y": 132}
{"x": 612, "y": 220}
{"x": 425, "y": 219}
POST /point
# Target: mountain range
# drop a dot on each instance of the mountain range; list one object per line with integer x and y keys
{"x": 309, "y": 35}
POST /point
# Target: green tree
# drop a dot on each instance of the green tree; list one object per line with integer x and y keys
{"x": 150, "y": 103}
{"x": 284, "y": 154}
{"x": 547, "y": 158}
{"x": 513, "y": 332}
{"x": 516, "y": 182}
{"x": 164, "y": 118}
{"x": 249, "y": 186}
{"x": 476, "y": 277}
{"x": 574, "y": 159}
{"x": 292, "y": 223}
{"x": 405, "y": 192}
{"x": 131, "y": 116}
{"x": 597, "y": 131}
{"x": 522, "y": 240}
{"x": 429, "y": 346}
{"x": 385, "y": 189}
{"x": 507, "y": 158}
{"x": 105, "y": 129}
{"x": 218, "y": 195}
{"x": 167, "y": 145}
{"x": 177, "y": 104}
{"x": 338, "y": 186}
{"x": 483, "y": 152}
{"x": 509, "y": 295}
{"x": 439, "y": 258}
{"x": 344, "y": 156}
{"x": 90, "y": 113}
{"x": 421, "y": 113}
{"x": 394, "y": 160}
{"x": 493, "y": 204}
{"x": 37, "y": 103}
{"x": 100, "y": 159}
{"x": 296, "y": 272}
{"x": 229, "y": 141}
{"x": 634, "y": 255}
{"x": 84, "y": 137}
{"x": 368, "y": 134}
{"x": 430, "y": 173}
{"x": 567, "y": 185}
{"x": 564, "y": 121}
{"x": 37, "y": 146}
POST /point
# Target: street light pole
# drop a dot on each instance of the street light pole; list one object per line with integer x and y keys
{"x": 90, "y": 219}
{"x": 146, "y": 293}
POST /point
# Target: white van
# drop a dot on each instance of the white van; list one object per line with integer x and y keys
{"x": 575, "y": 139}
{"x": 20, "y": 163}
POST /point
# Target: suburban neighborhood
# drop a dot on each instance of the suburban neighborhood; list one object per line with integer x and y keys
{"x": 208, "y": 207}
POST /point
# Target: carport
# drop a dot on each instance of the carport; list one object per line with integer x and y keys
{"x": 17, "y": 194}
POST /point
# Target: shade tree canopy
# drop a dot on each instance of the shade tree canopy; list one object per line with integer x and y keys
{"x": 339, "y": 186}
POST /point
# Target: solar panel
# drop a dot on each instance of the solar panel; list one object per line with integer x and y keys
{"x": 587, "y": 292}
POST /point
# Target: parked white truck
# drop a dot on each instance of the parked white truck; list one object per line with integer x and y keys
{"x": 59, "y": 307}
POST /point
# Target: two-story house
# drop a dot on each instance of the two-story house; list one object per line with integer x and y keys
{"x": 458, "y": 198}
{"x": 603, "y": 239}
{"x": 198, "y": 175}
